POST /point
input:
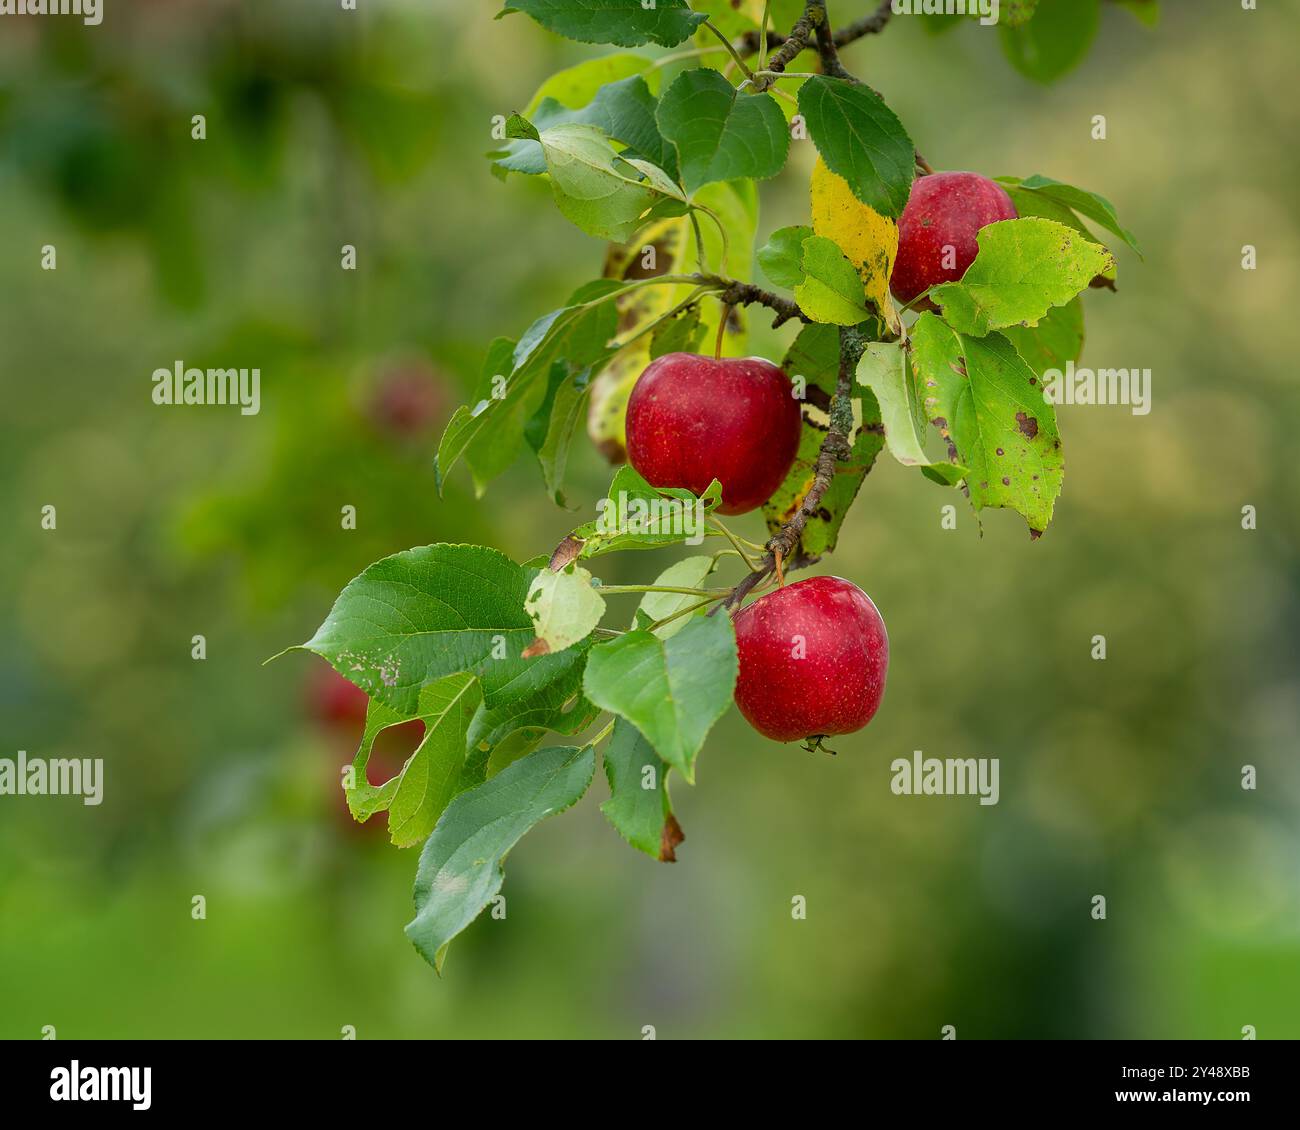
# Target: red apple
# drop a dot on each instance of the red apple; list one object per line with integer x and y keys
{"x": 937, "y": 232}
{"x": 693, "y": 419}
{"x": 813, "y": 657}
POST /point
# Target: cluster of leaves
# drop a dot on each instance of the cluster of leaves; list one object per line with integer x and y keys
{"x": 492, "y": 655}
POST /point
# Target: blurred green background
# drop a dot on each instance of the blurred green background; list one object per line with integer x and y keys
{"x": 327, "y": 127}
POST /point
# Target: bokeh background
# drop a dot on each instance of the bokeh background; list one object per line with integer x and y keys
{"x": 326, "y": 127}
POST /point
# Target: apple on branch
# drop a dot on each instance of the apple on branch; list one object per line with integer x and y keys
{"x": 693, "y": 419}
{"x": 813, "y": 659}
{"x": 939, "y": 229}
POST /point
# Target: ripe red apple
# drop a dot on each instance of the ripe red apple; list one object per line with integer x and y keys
{"x": 937, "y": 232}
{"x": 693, "y": 419}
{"x": 813, "y": 657}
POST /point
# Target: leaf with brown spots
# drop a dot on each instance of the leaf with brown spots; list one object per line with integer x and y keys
{"x": 885, "y": 371}
{"x": 1003, "y": 428}
{"x": 1024, "y": 269}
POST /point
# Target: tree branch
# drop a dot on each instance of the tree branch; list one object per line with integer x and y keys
{"x": 828, "y": 52}
{"x": 850, "y": 33}
{"x": 835, "y": 449}
{"x": 873, "y": 24}
{"x": 737, "y": 293}
{"x": 800, "y": 37}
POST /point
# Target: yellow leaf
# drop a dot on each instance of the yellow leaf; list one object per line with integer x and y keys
{"x": 868, "y": 239}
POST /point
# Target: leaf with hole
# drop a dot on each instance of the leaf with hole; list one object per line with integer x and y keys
{"x": 564, "y": 606}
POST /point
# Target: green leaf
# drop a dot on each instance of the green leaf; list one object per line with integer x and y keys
{"x": 489, "y": 451}
{"x": 462, "y": 864}
{"x": 1054, "y": 342}
{"x": 680, "y": 334}
{"x": 596, "y": 189}
{"x": 624, "y": 23}
{"x": 671, "y": 690}
{"x": 551, "y": 430}
{"x": 546, "y": 696}
{"x": 624, "y": 110}
{"x": 438, "y": 770}
{"x": 832, "y": 288}
{"x": 1031, "y": 204}
{"x": 814, "y": 360}
{"x": 642, "y": 815}
{"x": 689, "y": 573}
{"x": 1089, "y": 204}
{"x": 1023, "y": 269}
{"x": 719, "y": 132}
{"x": 984, "y": 399}
{"x": 885, "y": 371}
{"x": 423, "y": 614}
{"x": 564, "y": 607}
{"x": 860, "y": 138}
{"x": 781, "y": 257}
{"x": 507, "y": 398}
{"x": 1055, "y": 41}
{"x": 576, "y": 86}
{"x": 519, "y": 128}
{"x": 636, "y": 515}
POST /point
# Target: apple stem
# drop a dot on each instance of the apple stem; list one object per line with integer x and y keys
{"x": 722, "y": 329}
{"x": 777, "y": 557}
